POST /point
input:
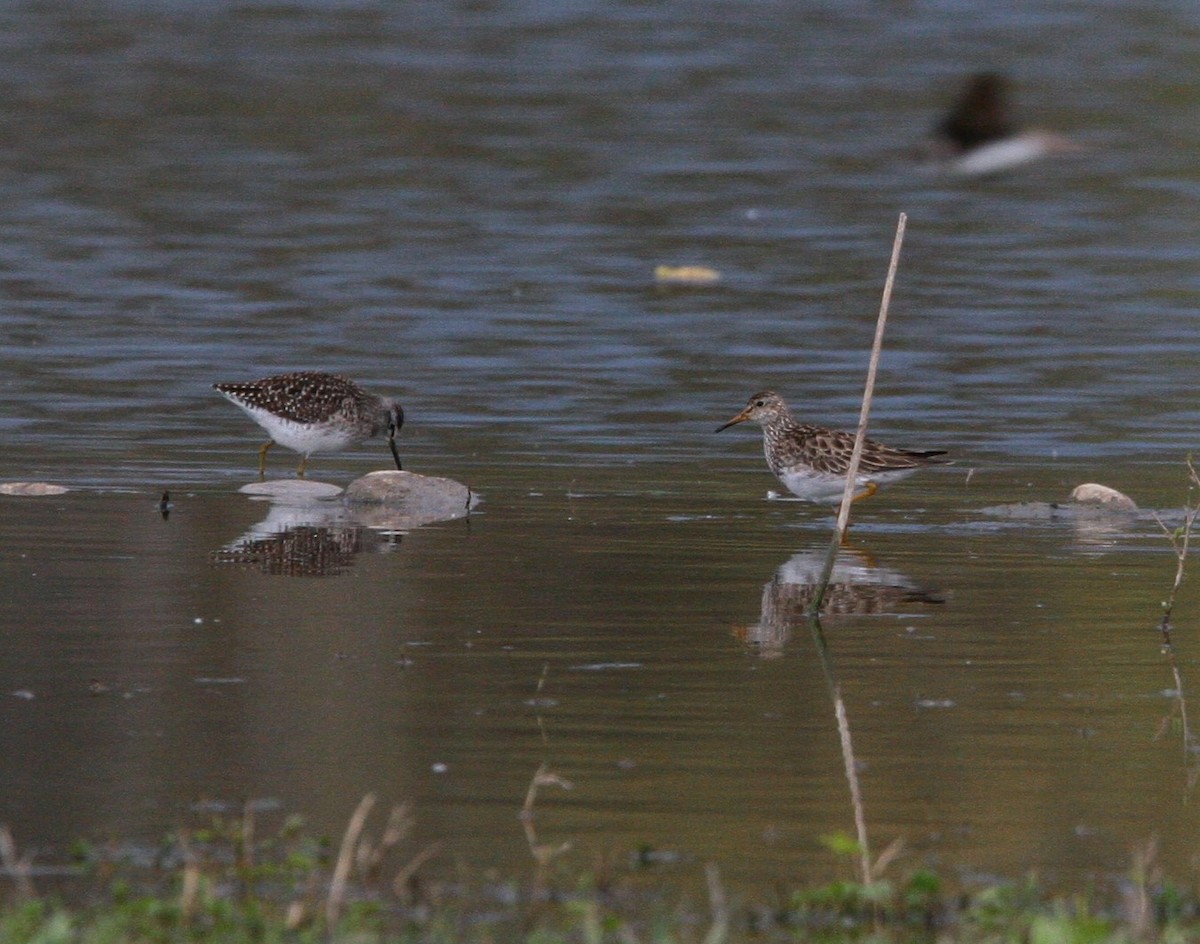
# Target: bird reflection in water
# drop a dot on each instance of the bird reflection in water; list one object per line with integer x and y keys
{"x": 857, "y": 587}
{"x": 310, "y": 531}
{"x": 302, "y": 551}
{"x": 316, "y": 540}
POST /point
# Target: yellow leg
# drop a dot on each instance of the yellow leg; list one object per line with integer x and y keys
{"x": 262, "y": 459}
{"x": 872, "y": 488}
{"x": 303, "y": 466}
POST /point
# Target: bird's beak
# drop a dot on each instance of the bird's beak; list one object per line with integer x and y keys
{"x": 740, "y": 418}
{"x": 392, "y": 446}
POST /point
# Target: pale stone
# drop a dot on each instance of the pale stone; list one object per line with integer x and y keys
{"x": 418, "y": 498}
{"x": 292, "y": 490}
{"x": 1093, "y": 494}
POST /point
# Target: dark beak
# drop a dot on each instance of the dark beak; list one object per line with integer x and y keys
{"x": 392, "y": 446}
{"x": 397, "y": 420}
{"x": 740, "y": 418}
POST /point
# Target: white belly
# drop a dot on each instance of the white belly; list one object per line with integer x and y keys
{"x": 827, "y": 488}
{"x": 305, "y": 438}
{"x": 1001, "y": 155}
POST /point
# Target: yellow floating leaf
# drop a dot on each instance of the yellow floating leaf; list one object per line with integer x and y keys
{"x": 686, "y": 275}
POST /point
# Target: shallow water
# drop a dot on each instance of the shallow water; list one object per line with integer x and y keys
{"x": 464, "y": 206}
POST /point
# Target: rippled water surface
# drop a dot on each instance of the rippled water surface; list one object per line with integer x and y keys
{"x": 463, "y": 205}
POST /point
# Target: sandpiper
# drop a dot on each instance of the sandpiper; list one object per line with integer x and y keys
{"x": 315, "y": 412}
{"x": 812, "y": 461}
{"x": 978, "y": 136}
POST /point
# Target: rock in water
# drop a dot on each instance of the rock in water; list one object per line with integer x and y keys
{"x": 291, "y": 491}
{"x": 423, "y": 498}
{"x": 1087, "y": 501}
{"x": 1093, "y": 494}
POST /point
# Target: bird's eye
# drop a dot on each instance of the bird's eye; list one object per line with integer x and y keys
{"x": 760, "y": 402}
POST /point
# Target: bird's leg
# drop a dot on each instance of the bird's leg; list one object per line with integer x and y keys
{"x": 262, "y": 459}
{"x": 871, "y": 489}
{"x": 395, "y": 451}
{"x": 303, "y": 466}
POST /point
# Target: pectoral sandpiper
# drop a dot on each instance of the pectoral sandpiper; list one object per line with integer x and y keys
{"x": 812, "y": 461}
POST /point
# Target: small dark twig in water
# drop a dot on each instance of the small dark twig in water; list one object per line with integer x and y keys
{"x": 1180, "y": 540}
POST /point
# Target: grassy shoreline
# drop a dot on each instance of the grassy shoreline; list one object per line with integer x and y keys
{"x": 224, "y": 883}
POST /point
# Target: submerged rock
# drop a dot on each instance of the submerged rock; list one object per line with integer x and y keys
{"x": 421, "y": 498}
{"x": 1088, "y": 500}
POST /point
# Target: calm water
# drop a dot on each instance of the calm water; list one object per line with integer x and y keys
{"x": 463, "y": 205}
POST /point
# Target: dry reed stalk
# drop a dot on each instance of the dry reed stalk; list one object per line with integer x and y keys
{"x": 1180, "y": 540}
{"x": 541, "y": 685}
{"x": 839, "y": 535}
{"x": 843, "y": 518}
{"x": 542, "y": 853}
{"x": 542, "y": 777}
{"x": 304, "y": 907}
{"x": 245, "y": 852}
{"x": 888, "y": 856}
{"x": 856, "y": 800}
{"x": 370, "y": 857}
{"x": 189, "y": 892}
{"x": 849, "y": 763}
{"x": 718, "y": 904}
{"x": 341, "y": 870}
{"x": 404, "y": 876}
{"x": 297, "y": 915}
{"x": 1137, "y": 894}
{"x": 17, "y": 867}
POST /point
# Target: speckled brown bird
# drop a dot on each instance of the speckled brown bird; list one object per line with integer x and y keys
{"x": 315, "y": 412}
{"x": 812, "y": 461}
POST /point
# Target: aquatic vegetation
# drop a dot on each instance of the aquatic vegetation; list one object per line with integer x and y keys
{"x": 223, "y": 883}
